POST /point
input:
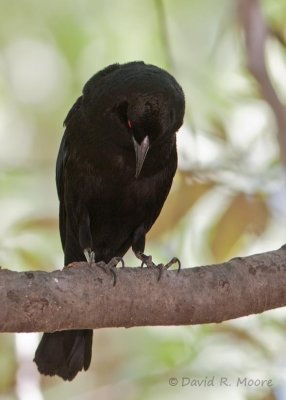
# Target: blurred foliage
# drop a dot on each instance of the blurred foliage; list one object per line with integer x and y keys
{"x": 228, "y": 197}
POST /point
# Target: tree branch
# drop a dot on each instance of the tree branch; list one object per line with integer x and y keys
{"x": 84, "y": 297}
{"x": 256, "y": 33}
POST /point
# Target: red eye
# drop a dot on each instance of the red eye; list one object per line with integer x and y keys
{"x": 129, "y": 124}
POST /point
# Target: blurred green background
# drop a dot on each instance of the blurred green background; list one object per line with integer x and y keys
{"x": 228, "y": 197}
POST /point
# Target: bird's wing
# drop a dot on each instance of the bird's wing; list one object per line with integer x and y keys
{"x": 162, "y": 185}
{"x": 158, "y": 207}
{"x": 60, "y": 168}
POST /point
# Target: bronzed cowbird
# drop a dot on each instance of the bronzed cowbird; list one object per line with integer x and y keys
{"x": 115, "y": 167}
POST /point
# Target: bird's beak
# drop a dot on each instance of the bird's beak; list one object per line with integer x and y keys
{"x": 140, "y": 152}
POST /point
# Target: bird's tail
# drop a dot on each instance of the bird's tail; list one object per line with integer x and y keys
{"x": 64, "y": 353}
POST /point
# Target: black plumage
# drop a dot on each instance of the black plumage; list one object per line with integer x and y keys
{"x": 115, "y": 167}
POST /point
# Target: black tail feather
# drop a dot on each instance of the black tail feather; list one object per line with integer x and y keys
{"x": 64, "y": 353}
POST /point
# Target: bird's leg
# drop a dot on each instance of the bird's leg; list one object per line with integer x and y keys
{"x": 110, "y": 266}
{"x": 85, "y": 239}
{"x": 138, "y": 245}
{"x": 89, "y": 255}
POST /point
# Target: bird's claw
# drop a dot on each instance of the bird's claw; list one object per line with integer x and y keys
{"x": 115, "y": 261}
{"x": 147, "y": 260}
{"x": 90, "y": 256}
{"x": 110, "y": 266}
{"x": 173, "y": 261}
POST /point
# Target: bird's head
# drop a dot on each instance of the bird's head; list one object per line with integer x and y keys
{"x": 137, "y": 105}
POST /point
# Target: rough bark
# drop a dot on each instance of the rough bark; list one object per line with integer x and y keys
{"x": 84, "y": 296}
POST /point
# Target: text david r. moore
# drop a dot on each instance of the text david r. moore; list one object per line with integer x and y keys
{"x": 221, "y": 381}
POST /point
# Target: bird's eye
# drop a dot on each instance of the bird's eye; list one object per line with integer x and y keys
{"x": 122, "y": 112}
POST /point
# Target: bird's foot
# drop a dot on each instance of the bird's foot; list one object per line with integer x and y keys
{"x": 110, "y": 266}
{"x": 90, "y": 258}
{"x": 173, "y": 261}
{"x": 147, "y": 260}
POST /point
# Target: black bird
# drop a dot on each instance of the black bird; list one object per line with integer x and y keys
{"x": 115, "y": 167}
